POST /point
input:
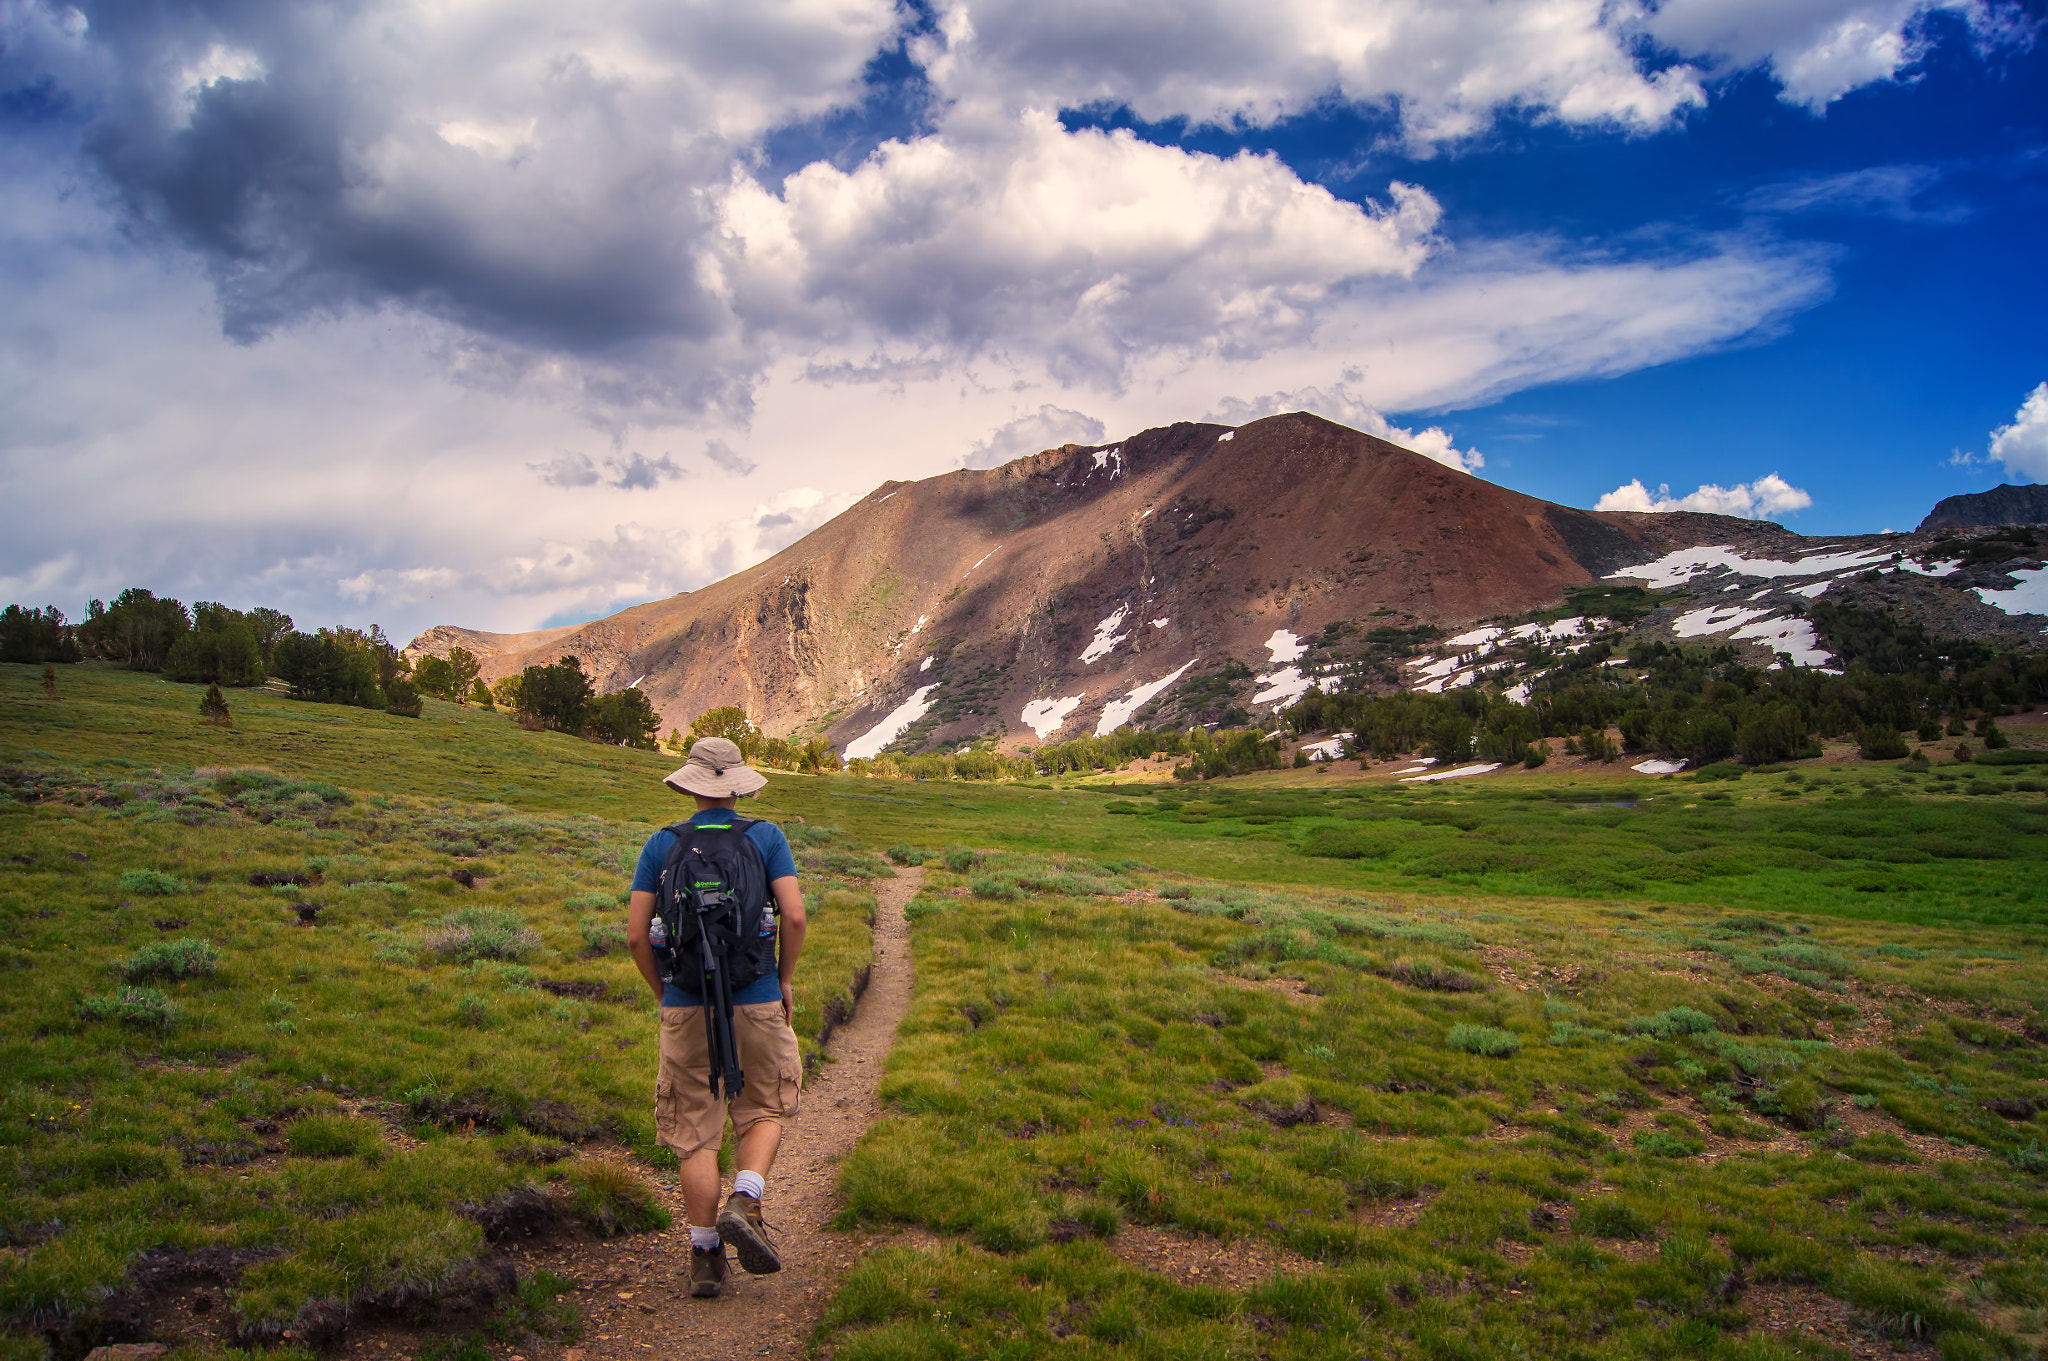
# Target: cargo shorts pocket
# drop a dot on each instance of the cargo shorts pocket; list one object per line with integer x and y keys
{"x": 789, "y": 1080}
{"x": 665, "y": 1109}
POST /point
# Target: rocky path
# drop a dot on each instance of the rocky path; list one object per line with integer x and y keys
{"x": 645, "y": 1309}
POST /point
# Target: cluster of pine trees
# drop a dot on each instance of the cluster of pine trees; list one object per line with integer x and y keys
{"x": 214, "y": 645}
{"x": 1705, "y": 704}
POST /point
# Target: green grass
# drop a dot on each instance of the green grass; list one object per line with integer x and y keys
{"x": 1544, "y": 1066}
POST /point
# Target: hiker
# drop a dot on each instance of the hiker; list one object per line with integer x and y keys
{"x": 689, "y": 1116}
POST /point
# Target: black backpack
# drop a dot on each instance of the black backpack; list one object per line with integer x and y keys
{"x": 716, "y": 867}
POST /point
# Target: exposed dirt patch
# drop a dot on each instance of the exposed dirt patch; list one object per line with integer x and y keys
{"x": 1191, "y": 1259}
{"x": 1796, "y": 1311}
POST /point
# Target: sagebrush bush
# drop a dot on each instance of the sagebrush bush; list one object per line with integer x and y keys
{"x": 905, "y": 854}
{"x": 481, "y": 933}
{"x": 143, "y": 1008}
{"x": 171, "y": 959}
{"x": 1676, "y": 1021}
{"x": 1490, "y": 1041}
{"x": 612, "y": 1201}
{"x": 602, "y": 938}
{"x": 155, "y": 883}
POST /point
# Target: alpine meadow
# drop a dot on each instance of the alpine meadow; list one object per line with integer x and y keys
{"x": 318, "y": 1021}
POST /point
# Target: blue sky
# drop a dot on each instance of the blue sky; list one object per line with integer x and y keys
{"x": 505, "y": 314}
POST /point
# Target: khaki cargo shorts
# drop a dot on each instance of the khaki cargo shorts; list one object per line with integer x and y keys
{"x": 687, "y": 1117}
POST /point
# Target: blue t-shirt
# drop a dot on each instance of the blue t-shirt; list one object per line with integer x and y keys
{"x": 775, "y": 857}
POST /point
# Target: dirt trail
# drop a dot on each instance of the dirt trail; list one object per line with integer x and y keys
{"x": 772, "y": 1315}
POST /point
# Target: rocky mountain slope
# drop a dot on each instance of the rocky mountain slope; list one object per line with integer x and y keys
{"x": 1190, "y": 573}
{"x": 2002, "y": 505}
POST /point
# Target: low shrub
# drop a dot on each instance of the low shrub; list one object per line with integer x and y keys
{"x": 961, "y": 859}
{"x": 1664, "y": 1144}
{"x": 907, "y": 854}
{"x": 1436, "y": 977}
{"x": 481, "y": 933}
{"x": 1489, "y": 1041}
{"x": 591, "y": 902}
{"x": 154, "y": 883}
{"x": 1880, "y": 742}
{"x": 143, "y": 1008}
{"x": 171, "y": 959}
{"x": 1676, "y": 1021}
{"x": 603, "y": 938}
{"x": 613, "y": 1201}
{"x": 997, "y": 887}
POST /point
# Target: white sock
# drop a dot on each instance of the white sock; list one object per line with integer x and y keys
{"x": 703, "y": 1238}
{"x": 748, "y": 1184}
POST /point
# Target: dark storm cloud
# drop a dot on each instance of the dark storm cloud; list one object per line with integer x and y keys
{"x": 488, "y": 171}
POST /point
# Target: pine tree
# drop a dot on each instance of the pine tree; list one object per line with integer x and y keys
{"x": 213, "y": 707}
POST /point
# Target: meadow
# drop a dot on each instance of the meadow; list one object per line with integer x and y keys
{"x": 1558, "y": 1065}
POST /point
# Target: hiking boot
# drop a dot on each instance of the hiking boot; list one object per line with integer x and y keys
{"x": 707, "y": 1272}
{"x": 740, "y": 1226}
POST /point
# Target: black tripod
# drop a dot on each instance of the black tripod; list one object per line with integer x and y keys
{"x": 717, "y": 994}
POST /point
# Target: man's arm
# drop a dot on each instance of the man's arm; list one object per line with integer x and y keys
{"x": 789, "y": 900}
{"x": 639, "y": 912}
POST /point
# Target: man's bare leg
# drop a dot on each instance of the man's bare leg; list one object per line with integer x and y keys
{"x": 698, "y": 1175}
{"x": 757, "y": 1150}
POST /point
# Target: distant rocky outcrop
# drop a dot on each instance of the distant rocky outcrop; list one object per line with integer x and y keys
{"x": 2006, "y": 505}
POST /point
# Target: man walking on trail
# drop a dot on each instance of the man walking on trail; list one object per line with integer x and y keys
{"x": 689, "y": 1114}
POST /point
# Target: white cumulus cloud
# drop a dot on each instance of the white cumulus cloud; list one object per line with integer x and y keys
{"x": 1767, "y": 496}
{"x": 2023, "y": 446}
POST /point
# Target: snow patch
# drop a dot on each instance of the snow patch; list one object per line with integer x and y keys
{"x": 1285, "y": 647}
{"x": 1940, "y": 568}
{"x": 1713, "y": 619}
{"x": 880, "y": 499}
{"x": 1519, "y": 694}
{"x": 1226, "y": 437}
{"x": 1282, "y": 687}
{"x": 925, "y": 665}
{"x": 1815, "y": 591}
{"x": 1329, "y": 749}
{"x": 1046, "y": 716}
{"x": 2029, "y": 597}
{"x": 1472, "y": 649}
{"x": 1113, "y": 459}
{"x": 870, "y": 743}
{"x": 1453, "y": 774}
{"x": 1118, "y": 712}
{"x": 1161, "y": 623}
{"x": 1682, "y": 566}
{"x": 985, "y": 557}
{"x": 1658, "y": 767}
{"x": 1794, "y": 637}
{"x": 1106, "y": 636}
{"x": 918, "y": 627}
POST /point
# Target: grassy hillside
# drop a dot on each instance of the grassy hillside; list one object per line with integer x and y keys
{"x": 1552, "y": 1066}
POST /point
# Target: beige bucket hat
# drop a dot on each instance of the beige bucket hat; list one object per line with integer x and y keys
{"x": 717, "y": 770}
